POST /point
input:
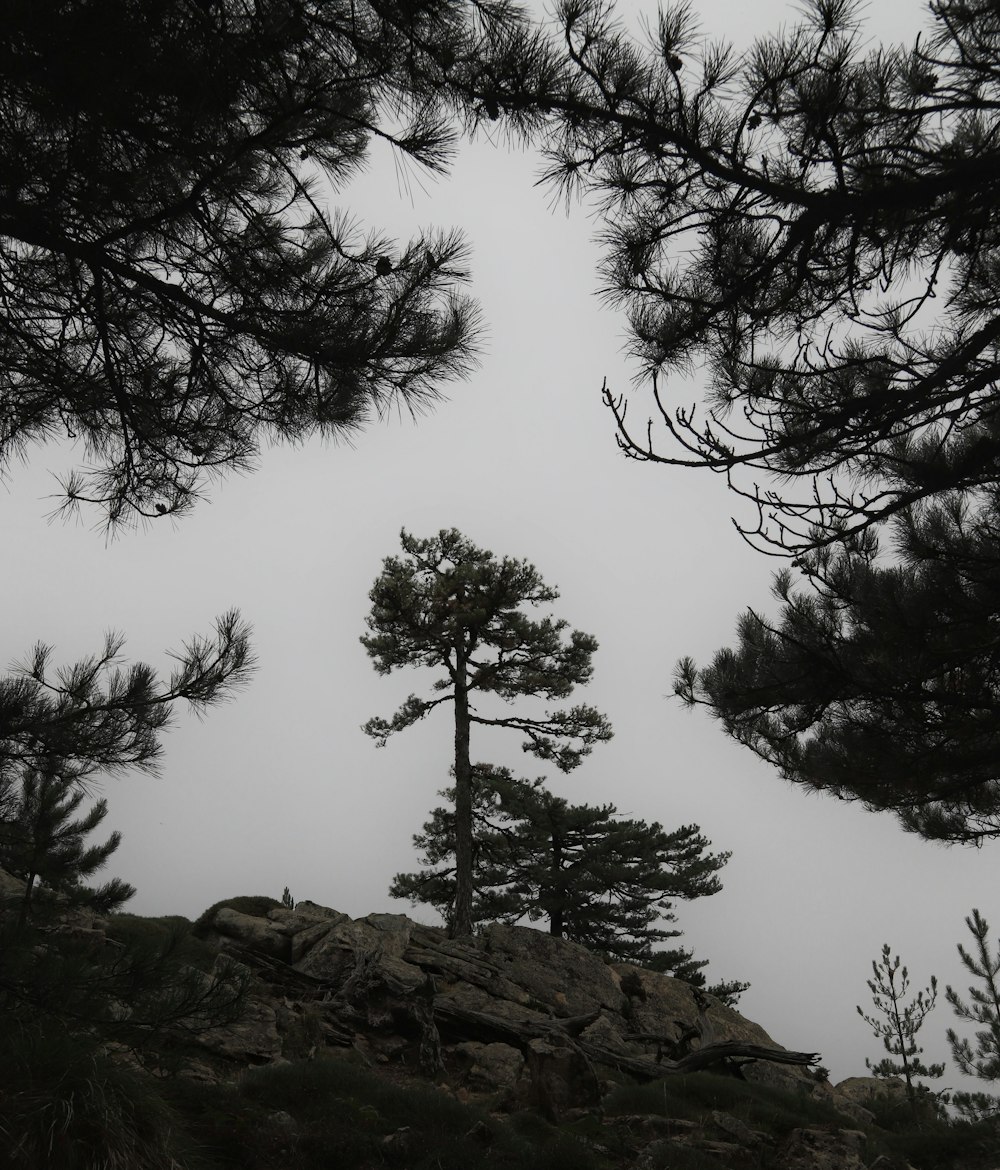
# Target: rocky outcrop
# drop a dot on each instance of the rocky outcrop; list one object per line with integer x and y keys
{"x": 514, "y": 1012}
{"x": 515, "y": 1018}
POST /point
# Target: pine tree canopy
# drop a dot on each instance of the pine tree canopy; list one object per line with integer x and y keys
{"x": 597, "y": 878}
{"x": 878, "y": 682}
{"x": 175, "y": 288}
{"x": 812, "y": 224}
{"x": 451, "y": 606}
{"x": 813, "y": 227}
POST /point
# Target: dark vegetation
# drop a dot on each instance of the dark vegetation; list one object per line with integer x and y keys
{"x": 813, "y": 224}
{"x": 337, "y": 1112}
{"x": 72, "y": 1110}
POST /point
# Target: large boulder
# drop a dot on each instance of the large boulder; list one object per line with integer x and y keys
{"x": 659, "y": 1005}
{"x": 868, "y": 1091}
{"x": 561, "y": 1077}
{"x": 558, "y": 977}
{"x": 305, "y": 925}
{"x": 256, "y": 934}
{"x": 492, "y": 1067}
{"x": 253, "y": 1039}
{"x": 379, "y": 939}
{"x": 512, "y": 989}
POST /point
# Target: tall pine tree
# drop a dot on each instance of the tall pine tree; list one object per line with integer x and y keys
{"x": 450, "y": 606}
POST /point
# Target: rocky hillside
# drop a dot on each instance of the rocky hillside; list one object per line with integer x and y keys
{"x": 379, "y": 1042}
{"x": 520, "y": 1020}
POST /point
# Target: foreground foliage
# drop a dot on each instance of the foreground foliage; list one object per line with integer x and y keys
{"x": 84, "y": 1019}
{"x": 790, "y": 220}
{"x": 175, "y": 287}
{"x": 814, "y": 226}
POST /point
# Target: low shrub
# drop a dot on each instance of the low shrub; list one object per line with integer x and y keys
{"x": 256, "y": 905}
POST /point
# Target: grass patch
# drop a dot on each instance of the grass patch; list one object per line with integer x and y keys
{"x": 945, "y": 1145}
{"x": 64, "y": 1105}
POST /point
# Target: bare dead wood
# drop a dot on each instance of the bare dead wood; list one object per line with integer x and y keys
{"x": 696, "y": 1061}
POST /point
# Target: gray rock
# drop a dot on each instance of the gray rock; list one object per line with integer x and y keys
{"x": 736, "y": 1129}
{"x": 869, "y": 1090}
{"x": 11, "y": 888}
{"x": 820, "y": 1149}
{"x": 254, "y": 1038}
{"x": 383, "y": 937}
{"x": 562, "y": 1079}
{"x": 567, "y": 978}
{"x": 660, "y": 1005}
{"x": 258, "y": 934}
{"x": 494, "y": 1067}
{"x": 603, "y": 1033}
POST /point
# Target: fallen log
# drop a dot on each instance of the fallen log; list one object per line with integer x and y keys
{"x": 696, "y": 1061}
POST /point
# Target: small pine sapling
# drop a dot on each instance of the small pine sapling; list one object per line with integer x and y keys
{"x": 984, "y": 1009}
{"x": 41, "y": 842}
{"x": 901, "y": 1023}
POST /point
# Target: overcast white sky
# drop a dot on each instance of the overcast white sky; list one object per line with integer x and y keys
{"x": 281, "y": 787}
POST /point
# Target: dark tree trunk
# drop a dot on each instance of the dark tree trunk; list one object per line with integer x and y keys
{"x": 557, "y": 923}
{"x": 22, "y": 918}
{"x": 461, "y": 912}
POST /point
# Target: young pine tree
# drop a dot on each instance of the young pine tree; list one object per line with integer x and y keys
{"x": 598, "y": 879}
{"x": 43, "y": 841}
{"x": 983, "y": 1061}
{"x": 900, "y": 1024}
